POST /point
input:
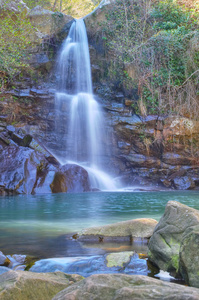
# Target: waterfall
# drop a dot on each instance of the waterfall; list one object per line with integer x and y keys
{"x": 79, "y": 119}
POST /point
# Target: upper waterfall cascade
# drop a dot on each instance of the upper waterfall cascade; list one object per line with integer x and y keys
{"x": 79, "y": 118}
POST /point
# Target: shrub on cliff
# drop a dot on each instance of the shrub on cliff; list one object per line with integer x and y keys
{"x": 14, "y": 40}
{"x": 155, "y": 50}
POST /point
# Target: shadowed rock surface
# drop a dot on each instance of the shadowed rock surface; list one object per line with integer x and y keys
{"x": 121, "y": 287}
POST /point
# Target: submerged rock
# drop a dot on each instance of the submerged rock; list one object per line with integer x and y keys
{"x": 119, "y": 258}
{"x": 116, "y": 286}
{"x": 132, "y": 229}
{"x": 175, "y": 224}
{"x": 18, "y": 285}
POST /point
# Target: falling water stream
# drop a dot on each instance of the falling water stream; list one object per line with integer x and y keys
{"x": 82, "y": 132}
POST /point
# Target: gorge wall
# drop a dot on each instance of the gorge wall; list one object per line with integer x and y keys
{"x": 144, "y": 147}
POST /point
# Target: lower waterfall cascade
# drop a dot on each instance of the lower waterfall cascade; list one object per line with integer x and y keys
{"x": 81, "y": 124}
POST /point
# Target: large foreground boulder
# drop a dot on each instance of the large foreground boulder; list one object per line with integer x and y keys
{"x": 189, "y": 257}
{"x": 27, "y": 285}
{"x": 121, "y": 287}
{"x": 131, "y": 229}
{"x": 164, "y": 245}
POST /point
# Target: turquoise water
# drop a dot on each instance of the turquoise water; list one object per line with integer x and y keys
{"x": 37, "y": 225}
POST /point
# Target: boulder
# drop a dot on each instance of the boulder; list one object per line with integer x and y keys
{"x": 164, "y": 245}
{"x": 189, "y": 257}
{"x": 120, "y": 287}
{"x": 132, "y": 229}
{"x": 71, "y": 178}
{"x": 18, "y": 285}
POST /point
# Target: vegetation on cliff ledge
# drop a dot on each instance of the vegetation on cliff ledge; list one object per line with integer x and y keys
{"x": 154, "y": 47}
{"x": 17, "y": 33}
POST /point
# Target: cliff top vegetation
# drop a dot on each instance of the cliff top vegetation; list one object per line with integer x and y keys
{"x": 154, "y": 47}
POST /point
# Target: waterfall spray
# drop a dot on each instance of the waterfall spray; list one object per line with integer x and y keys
{"x": 82, "y": 131}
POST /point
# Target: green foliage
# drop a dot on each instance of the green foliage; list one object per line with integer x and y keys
{"x": 14, "y": 43}
{"x": 160, "y": 43}
{"x": 169, "y": 15}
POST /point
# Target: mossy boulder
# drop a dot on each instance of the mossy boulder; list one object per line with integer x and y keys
{"x": 18, "y": 285}
{"x": 119, "y": 258}
{"x": 164, "y": 245}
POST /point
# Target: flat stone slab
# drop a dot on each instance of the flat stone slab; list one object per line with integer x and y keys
{"x": 126, "y": 230}
{"x": 121, "y": 287}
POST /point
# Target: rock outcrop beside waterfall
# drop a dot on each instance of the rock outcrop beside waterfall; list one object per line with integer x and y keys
{"x": 28, "y": 168}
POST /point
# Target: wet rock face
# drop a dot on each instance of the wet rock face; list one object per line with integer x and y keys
{"x": 146, "y": 151}
{"x": 115, "y": 286}
{"x": 18, "y": 169}
{"x": 154, "y": 150}
{"x": 27, "y": 167}
{"x": 172, "y": 238}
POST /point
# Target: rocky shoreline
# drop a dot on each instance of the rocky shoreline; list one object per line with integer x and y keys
{"x": 172, "y": 247}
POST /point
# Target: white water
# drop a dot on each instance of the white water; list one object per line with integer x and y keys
{"x": 79, "y": 117}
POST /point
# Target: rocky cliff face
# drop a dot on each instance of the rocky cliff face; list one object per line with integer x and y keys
{"x": 149, "y": 149}
{"x": 157, "y": 150}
